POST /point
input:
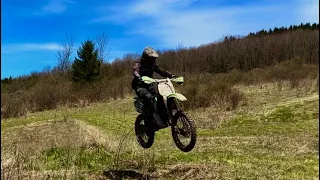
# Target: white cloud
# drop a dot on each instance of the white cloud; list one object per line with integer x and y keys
{"x": 309, "y": 11}
{"x": 170, "y": 22}
{"x": 119, "y": 14}
{"x": 56, "y": 6}
{"x": 155, "y": 7}
{"x": 23, "y": 47}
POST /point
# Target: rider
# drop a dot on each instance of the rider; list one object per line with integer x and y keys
{"x": 145, "y": 67}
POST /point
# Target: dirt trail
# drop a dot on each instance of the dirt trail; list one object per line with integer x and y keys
{"x": 56, "y": 133}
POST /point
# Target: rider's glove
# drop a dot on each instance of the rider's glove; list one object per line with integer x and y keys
{"x": 139, "y": 80}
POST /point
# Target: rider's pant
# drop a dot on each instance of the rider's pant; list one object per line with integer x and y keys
{"x": 147, "y": 97}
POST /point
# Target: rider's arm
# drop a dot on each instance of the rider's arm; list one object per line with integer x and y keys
{"x": 162, "y": 72}
{"x": 136, "y": 70}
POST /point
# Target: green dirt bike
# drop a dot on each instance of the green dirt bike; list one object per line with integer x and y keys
{"x": 167, "y": 114}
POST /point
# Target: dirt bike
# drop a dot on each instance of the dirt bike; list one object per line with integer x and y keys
{"x": 167, "y": 113}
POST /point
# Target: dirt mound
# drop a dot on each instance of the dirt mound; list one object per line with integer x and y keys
{"x": 34, "y": 138}
{"x": 190, "y": 171}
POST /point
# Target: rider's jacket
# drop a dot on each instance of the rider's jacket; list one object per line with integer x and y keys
{"x": 143, "y": 68}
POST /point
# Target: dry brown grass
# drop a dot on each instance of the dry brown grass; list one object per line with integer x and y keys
{"x": 257, "y": 98}
{"x": 21, "y": 146}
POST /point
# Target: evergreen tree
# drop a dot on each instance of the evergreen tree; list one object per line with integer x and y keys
{"x": 282, "y": 29}
{"x": 86, "y": 68}
{"x": 308, "y": 26}
{"x": 301, "y": 25}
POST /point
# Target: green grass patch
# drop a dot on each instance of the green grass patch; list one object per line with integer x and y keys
{"x": 90, "y": 159}
{"x": 289, "y": 120}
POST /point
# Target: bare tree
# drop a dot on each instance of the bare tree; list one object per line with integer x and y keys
{"x": 46, "y": 70}
{"x": 64, "y": 62}
{"x": 102, "y": 42}
{"x": 181, "y": 56}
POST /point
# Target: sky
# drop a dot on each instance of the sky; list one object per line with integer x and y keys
{"x": 32, "y": 31}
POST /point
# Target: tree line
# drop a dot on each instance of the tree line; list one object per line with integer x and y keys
{"x": 256, "y": 50}
{"x": 282, "y": 29}
{"x": 90, "y": 77}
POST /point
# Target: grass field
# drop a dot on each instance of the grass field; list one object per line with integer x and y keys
{"x": 272, "y": 135}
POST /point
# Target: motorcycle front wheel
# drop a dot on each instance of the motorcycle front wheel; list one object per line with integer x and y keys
{"x": 183, "y": 132}
{"x": 144, "y": 139}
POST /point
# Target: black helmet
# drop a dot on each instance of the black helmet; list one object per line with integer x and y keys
{"x": 149, "y": 52}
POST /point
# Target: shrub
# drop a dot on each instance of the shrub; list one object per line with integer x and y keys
{"x": 235, "y": 98}
{"x": 204, "y": 94}
{"x": 51, "y": 92}
{"x": 254, "y": 76}
{"x": 14, "y": 105}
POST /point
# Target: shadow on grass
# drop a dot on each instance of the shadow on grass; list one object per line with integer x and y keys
{"x": 120, "y": 174}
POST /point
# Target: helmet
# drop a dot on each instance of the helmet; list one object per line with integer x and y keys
{"x": 149, "y": 52}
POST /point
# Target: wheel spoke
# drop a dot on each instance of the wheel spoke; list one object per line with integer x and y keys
{"x": 183, "y": 130}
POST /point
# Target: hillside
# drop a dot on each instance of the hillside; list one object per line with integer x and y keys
{"x": 273, "y": 135}
{"x": 291, "y": 47}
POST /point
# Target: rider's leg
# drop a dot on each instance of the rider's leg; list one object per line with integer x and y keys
{"x": 145, "y": 95}
{"x": 148, "y": 98}
{"x": 153, "y": 89}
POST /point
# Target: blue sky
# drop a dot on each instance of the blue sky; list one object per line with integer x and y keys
{"x": 32, "y": 31}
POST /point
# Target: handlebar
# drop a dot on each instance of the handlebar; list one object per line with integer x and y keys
{"x": 149, "y": 80}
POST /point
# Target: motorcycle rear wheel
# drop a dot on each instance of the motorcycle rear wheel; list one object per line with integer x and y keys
{"x": 144, "y": 139}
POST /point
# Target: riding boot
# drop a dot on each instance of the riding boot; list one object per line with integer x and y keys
{"x": 149, "y": 116}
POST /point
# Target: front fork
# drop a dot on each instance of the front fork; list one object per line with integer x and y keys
{"x": 172, "y": 108}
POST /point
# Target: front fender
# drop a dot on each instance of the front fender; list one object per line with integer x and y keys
{"x": 179, "y": 96}
{"x": 147, "y": 80}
